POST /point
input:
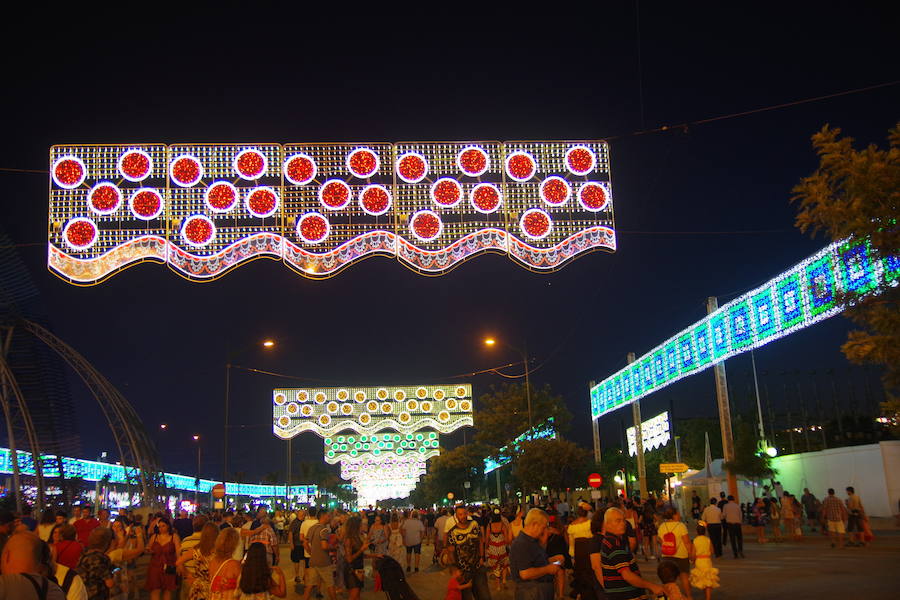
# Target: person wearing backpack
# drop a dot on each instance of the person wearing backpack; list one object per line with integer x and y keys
{"x": 676, "y": 546}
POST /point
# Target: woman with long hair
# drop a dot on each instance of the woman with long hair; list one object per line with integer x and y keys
{"x": 378, "y": 537}
{"x": 496, "y": 550}
{"x": 163, "y": 547}
{"x": 258, "y": 580}
{"x": 45, "y": 526}
{"x": 354, "y": 555}
{"x": 223, "y": 568}
{"x": 127, "y": 545}
{"x": 197, "y": 577}
{"x": 395, "y": 539}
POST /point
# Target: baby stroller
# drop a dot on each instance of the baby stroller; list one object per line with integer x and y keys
{"x": 393, "y": 580}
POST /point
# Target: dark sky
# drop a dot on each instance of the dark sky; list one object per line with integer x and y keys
{"x": 557, "y": 72}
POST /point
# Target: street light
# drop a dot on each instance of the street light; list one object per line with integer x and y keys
{"x": 490, "y": 342}
{"x": 268, "y": 344}
{"x": 197, "y": 484}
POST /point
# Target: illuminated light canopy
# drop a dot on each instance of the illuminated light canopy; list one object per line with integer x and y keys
{"x": 145, "y": 204}
{"x": 654, "y": 434}
{"x": 363, "y": 163}
{"x": 299, "y": 169}
{"x": 93, "y": 471}
{"x": 135, "y": 165}
{"x": 371, "y": 417}
{"x": 220, "y": 197}
{"x": 536, "y": 224}
{"x": 473, "y": 214}
{"x": 412, "y": 167}
{"x": 485, "y": 198}
{"x": 104, "y": 198}
{"x": 68, "y": 172}
{"x": 261, "y": 202}
{"x": 334, "y": 194}
{"x": 520, "y": 166}
{"x": 426, "y": 225}
{"x": 446, "y": 192}
{"x": 473, "y": 161}
{"x": 797, "y": 298}
{"x": 594, "y": 196}
{"x": 198, "y": 231}
{"x": 375, "y": 200}
{"x": 555, "y": 191}
{"x": 186, "y": 170}
{"x": 250, "y": 164}
{"x": 80, "y": 233}
{"x": 580, "y": 160}
{"x": 545, "y": 430}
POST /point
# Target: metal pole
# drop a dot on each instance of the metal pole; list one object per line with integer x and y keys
{"x": 225, "y": 432}
{"x": 197, "y": 487}
{"x": 762, "y": 430}
{"x": 499, "y": 496}
{"x": 712, "y": 305}
{"x": 287, "y": 489}
{"x": 527, "y": 387}
{"x": 639, "y": 438}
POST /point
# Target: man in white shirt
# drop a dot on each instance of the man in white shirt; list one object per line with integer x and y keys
{"x": 563, "y": 508}
{"x": 712, "y": 516}
{"x": 310, "y": 520}
{"x": 413, "y": 529}
{"x": 732, "y": 516}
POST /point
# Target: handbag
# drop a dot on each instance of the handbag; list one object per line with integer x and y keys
{"x": 169, "y": 569}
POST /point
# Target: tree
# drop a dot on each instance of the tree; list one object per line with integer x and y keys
{"x": 748, "y": 460}
{"x": 552, "y": 463}
{"x": 505, "y": 413}
{"x": 856, "y": 194}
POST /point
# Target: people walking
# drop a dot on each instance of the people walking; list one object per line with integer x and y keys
{"x": 676, "y": 546}
{"x": 732, "y": 515}
{"x": 712, "y": 516}
{"x": 465, "y": 539}
{"x": 703, "y": 575}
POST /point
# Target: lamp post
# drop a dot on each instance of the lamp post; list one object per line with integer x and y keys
{"x": 490, "y": 342}
{"x": 268, "y": 345}
{"x": 196, "y": 438}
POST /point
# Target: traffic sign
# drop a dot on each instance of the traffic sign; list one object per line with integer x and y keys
{"x": 595, "y": 480}
{"x": 218, "y": 491}
{"x": 673, "y": 468}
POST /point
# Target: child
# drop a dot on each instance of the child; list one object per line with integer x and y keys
{"x": 454, "y": 587}
{"x": 668, "y": 574}
{"x": 703, "y": 576}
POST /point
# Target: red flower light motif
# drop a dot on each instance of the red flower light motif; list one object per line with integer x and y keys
{"x": 520, "y": 166}
{"x": 104, "y": 198}
{"x": 300, "y": 169}
{"x": 221, "y": 196}
{"x": 146, "y": 204}
{"x": 375, "y": 200}
{"x": 580, "y": 160}
{"x": 426, "y": 225}
{"x": 334, "y": 194}
{"x": 80, "y": 233}
{"x": 535, "y": 224}
{"x": 313, "y": 228}
{"x": 412, "y": 167}
{"x": 186, "y": 170}
{"x": 593, "y": 196}
{"x": 262, "y": 202}
{"x": 198, "y": 231}
{"x": 555, "y": 191}
{"x": 362, "y": 163}
{"x": 69, "y": 172}
{"x": 485, "y": 198}
{"x": 446, "y": 192}
{"x": 473, "y": 161}
{"x": 250, "y": 164}
{"x": 135, "y": 165}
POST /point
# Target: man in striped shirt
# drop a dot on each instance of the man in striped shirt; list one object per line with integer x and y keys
{"x": 835, "y": 514}
{"x": 621, "y": 576}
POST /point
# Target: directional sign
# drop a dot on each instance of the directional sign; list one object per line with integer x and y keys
{"x": 673, "y": 468}
{"x": 595, "y": 480}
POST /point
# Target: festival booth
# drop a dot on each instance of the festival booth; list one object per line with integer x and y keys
{"x": 708, "y": 482}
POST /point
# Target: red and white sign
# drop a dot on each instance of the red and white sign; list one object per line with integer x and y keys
{"x": 218, "y": 490}
{"x": 595, "y": 480}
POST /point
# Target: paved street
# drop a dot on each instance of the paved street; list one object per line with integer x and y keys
{"x": 808, "y": 570}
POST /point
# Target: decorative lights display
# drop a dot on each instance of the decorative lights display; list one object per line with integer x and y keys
{"x": 429, "y": 205}
{"x": 91, "y": 470}
{"x": 801, "y": 296}
{"x": 381, "y": 436}
{"x": 382, "y": 408}
{"x": 543, "y": 430}
{"x": 655, "y": 433}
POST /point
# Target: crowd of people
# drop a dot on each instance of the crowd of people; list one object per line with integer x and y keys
{"x": 587, "y": 551}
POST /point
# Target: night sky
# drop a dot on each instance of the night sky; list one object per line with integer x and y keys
{"x": 700, "y": 211}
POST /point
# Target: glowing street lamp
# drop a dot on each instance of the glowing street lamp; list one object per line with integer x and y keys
{"x": 269, "y": 344}
{"x": 163, "y": 426}
{"x": 196, "y": 438}
{"x": 490, "y": 342}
